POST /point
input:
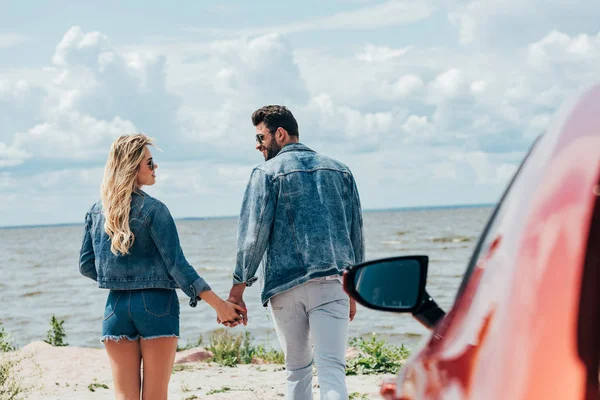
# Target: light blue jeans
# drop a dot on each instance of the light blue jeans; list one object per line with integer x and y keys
{"x": 319, "y": 309}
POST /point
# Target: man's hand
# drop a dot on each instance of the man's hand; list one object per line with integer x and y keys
{"x": 352, "y": 308}
{"x": 236, "y": 297}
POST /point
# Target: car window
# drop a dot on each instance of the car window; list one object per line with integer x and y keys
{"x": 489, "y": 232}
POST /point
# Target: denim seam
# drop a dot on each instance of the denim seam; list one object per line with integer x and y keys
{"x": 254, "y": 257}
{"x": 157, "y": 315}
{"x": 162, "y": 254}
{"x": 293, "y": 229}
{"x": 114, "y": 307}
{"x": 309, "y": 171}
{"x": 129, "y": 308}
{"x": 355, "y": 203}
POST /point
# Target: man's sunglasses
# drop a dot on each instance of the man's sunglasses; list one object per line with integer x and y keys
{"x": 259, "y": 138}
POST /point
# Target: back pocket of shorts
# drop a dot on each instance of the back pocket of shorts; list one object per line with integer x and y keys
{"x": 157, "y": 302}
{"x": 111, "y": 304}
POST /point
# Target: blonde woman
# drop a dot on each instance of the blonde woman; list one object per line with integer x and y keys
{"x": 131, "y": 247}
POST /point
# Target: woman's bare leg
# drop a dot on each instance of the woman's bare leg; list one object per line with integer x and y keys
{"x": 125, "y": 358}
{"x": 158, "y": 355}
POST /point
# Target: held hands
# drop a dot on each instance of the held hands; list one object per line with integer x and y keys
{"x": 236, "y": 297}
{"x": 243, "y": 314}
{"x": 229, "y": 312}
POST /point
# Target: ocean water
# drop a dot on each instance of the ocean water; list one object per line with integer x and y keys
{"x": 40, "y": 277}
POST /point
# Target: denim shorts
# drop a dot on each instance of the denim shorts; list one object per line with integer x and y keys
{"x": 141, "y": 314}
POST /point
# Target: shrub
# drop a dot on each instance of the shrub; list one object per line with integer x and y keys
{"x": 376, "y": 357}
{"x": 230, "y": 350}
{"x": 5, "y": 341}
{"x": 10, "y": 388}
{"x": 56, "y": 333}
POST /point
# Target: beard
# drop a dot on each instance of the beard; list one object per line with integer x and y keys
{"x": 272, "y": 150}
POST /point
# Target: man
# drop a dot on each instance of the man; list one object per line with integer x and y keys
{"x": 301, "y": 216}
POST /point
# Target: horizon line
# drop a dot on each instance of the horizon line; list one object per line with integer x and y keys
{"x": 370, "y": 210}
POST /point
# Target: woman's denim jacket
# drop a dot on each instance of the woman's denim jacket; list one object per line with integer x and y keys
{"x": 301, "y": 216}
{"x": 155, "y": 260}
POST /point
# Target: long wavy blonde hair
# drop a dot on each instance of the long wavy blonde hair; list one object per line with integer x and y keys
{"x": 119, "y": 182}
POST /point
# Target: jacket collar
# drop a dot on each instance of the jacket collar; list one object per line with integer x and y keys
{"x": 294, "y": 147}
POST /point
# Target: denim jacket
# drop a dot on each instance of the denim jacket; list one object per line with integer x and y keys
{"x": 155, "y": 259}
{"x": 301, "y": 216}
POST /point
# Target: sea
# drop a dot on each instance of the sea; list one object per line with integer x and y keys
{"x": 40, "y": 276}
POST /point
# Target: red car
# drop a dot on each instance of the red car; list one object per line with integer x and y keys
{"x": 526, "y": 321}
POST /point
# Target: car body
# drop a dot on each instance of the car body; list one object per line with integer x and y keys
{"x": 526, "y": 321}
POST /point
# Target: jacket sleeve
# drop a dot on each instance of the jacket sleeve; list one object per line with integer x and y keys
{"x": 87, "y": 258}
{"x": 254, "y": 227}
{"x": 164, "y": 234}
{"x": 356, "y": 230}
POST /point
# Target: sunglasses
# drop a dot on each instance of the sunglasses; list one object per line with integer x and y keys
{"x": 151, "y": 164}
{"x": 259, "y": 138}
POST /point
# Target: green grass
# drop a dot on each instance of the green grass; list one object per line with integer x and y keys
{"x": 10, "y": 388}
{"x": 230, "y": 350}
{"x": 93, "y": 386}
{"x": 377, "y": 357}
{"x": 5, "y": 341}
{"x": 191, "y": 345}
{"x": 358, "y": 396}
{"x": 183, "y": 367}
{"x": 215, "y": 391}
{"x": 56, "y": 334}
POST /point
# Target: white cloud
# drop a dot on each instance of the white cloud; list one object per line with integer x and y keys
{"x": 418, "y": 128}
{"x": 93, "y": 94}
{"x": 375, "y": 54}
{"x": 11, "y": 156}
{"x": 408, "y": 85}
{"x": 446, "y": 86}
{"x": 73, "y": 136}
{"x": 478, "y": 87}
{"x": 511, "y": 23}
{"x": 389, "y": 13}
{"x": 11, "y": 39}
{"x": 78, "y": 47}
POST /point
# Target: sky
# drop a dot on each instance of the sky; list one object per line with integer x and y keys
{"x": 429, "y": 103}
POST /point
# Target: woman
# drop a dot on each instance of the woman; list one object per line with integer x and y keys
{"x": 131, "y": 247}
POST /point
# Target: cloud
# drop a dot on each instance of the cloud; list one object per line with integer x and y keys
{"x": 374, "y": 54}
{"x": 389, "y": 13}
{"x": 512, "y": 23}
{"x": 92, "y": 94}
{"x": 11, "y": 39}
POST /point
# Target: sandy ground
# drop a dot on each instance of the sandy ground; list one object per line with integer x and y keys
{"x": 83, "y": 373}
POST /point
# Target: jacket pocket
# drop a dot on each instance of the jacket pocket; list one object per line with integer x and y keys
{"x": 157, "y": 302}
{"x": 111, "y": 304}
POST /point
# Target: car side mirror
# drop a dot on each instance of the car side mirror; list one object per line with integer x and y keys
{"x": 390, "y": 284}
{"x": 394, "y": 284}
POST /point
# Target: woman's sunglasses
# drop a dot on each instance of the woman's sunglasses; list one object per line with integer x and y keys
{"x": 151, "y": 164}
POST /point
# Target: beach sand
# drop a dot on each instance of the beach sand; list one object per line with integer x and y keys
{"x": 84, "y": 373}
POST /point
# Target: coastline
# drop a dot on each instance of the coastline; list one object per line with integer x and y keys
{"x": 48, "y": 372}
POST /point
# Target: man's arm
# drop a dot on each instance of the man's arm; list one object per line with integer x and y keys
{"x": 357, "y": 237}
{"x": 356, "y": 229}
{"x": 254, "y": 228}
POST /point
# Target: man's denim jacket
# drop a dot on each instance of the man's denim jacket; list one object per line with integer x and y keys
{"x": 155, "y": 260}
{"x": 301, "y": 216}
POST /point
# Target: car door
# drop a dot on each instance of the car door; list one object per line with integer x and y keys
{"x": 511, "y": 333}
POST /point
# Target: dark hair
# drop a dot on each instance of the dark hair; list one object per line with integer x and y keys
{"x": 275, "y": 117}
